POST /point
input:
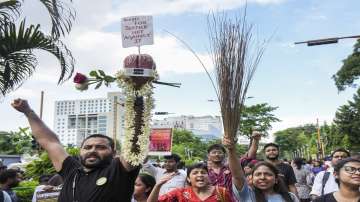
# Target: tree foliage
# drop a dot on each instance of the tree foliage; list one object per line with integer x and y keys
{"x": 350, "y": 70}
{"x": 347, "y": 120}
{"x": 259, "y": 116}
{"x": 18, "y": 142}
{"x": 25, "y": 190}
{"x": 18, "y": 41}
{"x": 191, "y": 149}
{"x": 295, "y": 139}
{"x": 302, "y": 140}
{"x": 43, "y": 165}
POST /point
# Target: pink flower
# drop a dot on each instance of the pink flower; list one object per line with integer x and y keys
{"x": 80, "y": 78}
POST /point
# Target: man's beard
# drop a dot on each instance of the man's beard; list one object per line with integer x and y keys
{"x": 272, "y": 158}
{"x": 98, "y": 163}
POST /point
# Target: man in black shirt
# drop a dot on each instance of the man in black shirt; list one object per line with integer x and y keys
{"x": 99, "y": 176}
{"x": 287, "y": 173}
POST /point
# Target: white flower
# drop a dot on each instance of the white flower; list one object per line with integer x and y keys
{"x": 143, "y": 138}
{"x": 82, "y": 86}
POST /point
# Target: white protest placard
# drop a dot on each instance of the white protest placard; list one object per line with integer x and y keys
{"x": 137, "y": 31}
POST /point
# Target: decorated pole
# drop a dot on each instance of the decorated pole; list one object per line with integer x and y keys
{"x": 136, "y": 79}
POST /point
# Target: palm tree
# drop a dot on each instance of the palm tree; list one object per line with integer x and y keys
{"x": 18, "y": 41}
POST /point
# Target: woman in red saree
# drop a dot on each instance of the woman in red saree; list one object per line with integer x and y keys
{"x": 199, "y": 189}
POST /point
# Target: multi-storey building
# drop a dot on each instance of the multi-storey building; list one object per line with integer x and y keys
{"x": 206, "y": 127}
{"x": 76, "y": 119}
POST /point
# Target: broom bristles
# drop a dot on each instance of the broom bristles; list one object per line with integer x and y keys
{"x": 235, "y": 66}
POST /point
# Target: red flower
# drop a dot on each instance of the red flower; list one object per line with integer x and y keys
{"x": 80, "y": 78}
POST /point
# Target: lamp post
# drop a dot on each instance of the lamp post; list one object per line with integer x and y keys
{"x": 115, "y": 121}
{"x": 163, "y": 113}
{"x": 325, "y": 41}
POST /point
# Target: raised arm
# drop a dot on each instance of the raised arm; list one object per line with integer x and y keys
{"x": 149, "y": 168}
{"x": 43, "y": 135}
{"x": 238, "y": 177}
{"x": 255, "y": 139}
{"x": 154, "y": 195}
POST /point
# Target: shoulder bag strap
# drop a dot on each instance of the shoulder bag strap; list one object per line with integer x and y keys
{"x": 324, "y": 180}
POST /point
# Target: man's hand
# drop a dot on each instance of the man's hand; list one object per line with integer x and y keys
{"x": 21, "y": 105}
{"x": 228, "y": 143}
{"x": 166, "y": 178}
{"x": 256, "y": 135}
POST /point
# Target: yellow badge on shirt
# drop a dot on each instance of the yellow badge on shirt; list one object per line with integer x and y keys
{"x": 101, "y": 181}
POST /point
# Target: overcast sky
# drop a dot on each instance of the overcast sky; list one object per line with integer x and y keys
{"x": 297, "y": 79}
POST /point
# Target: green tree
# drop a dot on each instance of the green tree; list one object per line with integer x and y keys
{"x": 188, "y": 146}
{"x": 18, "y": 42}
{"x": 43, "y": 164}
{"x": 347, "y": 120}
{"x": 350, "y": 70}
{"x": 294, "y": 140}
{"x": 191, "y": 149}
{"x": 257, "y": 116}
{"x": 18, "y": 142}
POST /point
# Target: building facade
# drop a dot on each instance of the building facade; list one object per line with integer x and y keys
{"x": 74, "y": 120}
{"x": 205, "y": 127}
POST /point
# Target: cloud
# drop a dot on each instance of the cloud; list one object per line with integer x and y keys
{"x": 317, "y": 17}
{"x": 177, "y": 7}
{"x": 96, "y": 49}
{"x": 22, "y": 92}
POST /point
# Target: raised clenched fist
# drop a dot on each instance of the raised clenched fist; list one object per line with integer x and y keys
{"x": 256, "y": 135}
{"x": 21, "y": 105}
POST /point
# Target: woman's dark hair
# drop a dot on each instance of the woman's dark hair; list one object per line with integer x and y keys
{"x": 341, "y": 164}
{"x": 148, "y": 180}
{"x": 194, "y": 166}
{"x": 8, "y": 174}
{"x": 279, "y": 187}
{"x": 298, "y": 162}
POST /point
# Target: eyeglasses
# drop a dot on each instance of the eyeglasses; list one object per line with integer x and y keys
{"x": 351, "y": 170}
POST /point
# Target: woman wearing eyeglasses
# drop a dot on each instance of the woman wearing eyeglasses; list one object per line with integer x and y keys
{"x": 347, "y": 176}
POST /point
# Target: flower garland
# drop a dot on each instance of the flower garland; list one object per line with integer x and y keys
{"x": 138, "y": 105}
{"x": 136, "y": 131}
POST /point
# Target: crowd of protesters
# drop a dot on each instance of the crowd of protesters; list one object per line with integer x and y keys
{"x": 98, "y": 175}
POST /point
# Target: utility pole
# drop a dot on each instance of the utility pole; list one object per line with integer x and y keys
{"x": 319, "y": 143}
{"x": 115, "y": 123}
{"x": 41, "y": 104}
{"x": 35, "y": 144}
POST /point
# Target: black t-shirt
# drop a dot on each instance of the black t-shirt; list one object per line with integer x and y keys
{"x": 287, "y": 173}
{"x": 326, "y": 198}
{"x": 108, "y": 184}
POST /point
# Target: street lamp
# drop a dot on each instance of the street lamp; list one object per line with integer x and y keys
{"x": 163, "y": 113}
{"x": 325, "y": 41}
